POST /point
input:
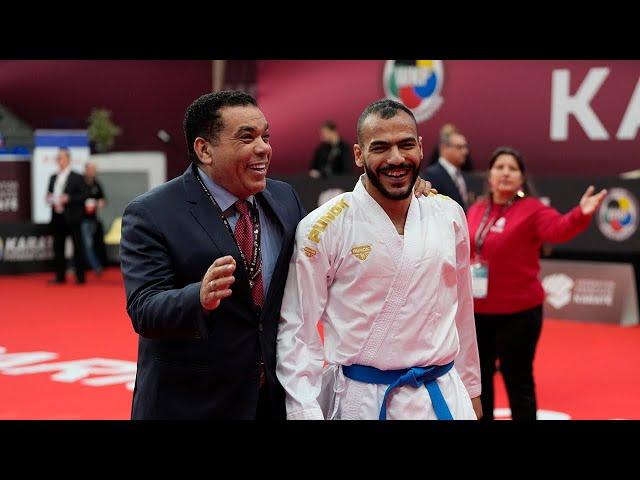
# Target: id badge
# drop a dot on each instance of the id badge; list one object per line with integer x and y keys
{"x": 479, "y": 279}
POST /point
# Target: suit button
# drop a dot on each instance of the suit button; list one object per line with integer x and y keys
{"x": 260, "y": 326}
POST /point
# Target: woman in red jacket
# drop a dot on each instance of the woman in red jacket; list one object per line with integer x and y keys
{"x": 507, "y": 229}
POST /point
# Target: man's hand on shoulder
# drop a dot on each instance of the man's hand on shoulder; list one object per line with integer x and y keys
{"x": 423, "y": 187}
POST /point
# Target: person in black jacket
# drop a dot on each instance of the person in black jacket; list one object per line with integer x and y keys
{"x": 333, "y": 155}
{"x": 467, "y": 166}
{"x": 204, "y": 259}
{"x": 66, "y": 196}
{"x": 445, "y": 175}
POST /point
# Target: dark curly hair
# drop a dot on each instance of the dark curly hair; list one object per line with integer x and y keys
{"x": 203, "y": 119}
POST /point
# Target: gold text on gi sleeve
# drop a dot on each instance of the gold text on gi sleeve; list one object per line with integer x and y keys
{"x": 324, "y": 221}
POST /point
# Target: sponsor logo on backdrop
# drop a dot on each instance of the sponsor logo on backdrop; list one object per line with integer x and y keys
{"x": 26, "y": 248}
{"x": 416, "y": 84}
{"x": 558, "y": 289}
{"x": 9, "y": 196}
{"x": 618, "y": 215}
{"x": 561, "y": 290}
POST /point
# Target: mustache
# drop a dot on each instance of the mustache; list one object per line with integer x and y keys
{"x": 393, "y": 167}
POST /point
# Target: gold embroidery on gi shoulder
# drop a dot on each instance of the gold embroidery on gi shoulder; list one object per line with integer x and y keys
{"x": 361, "y": 251}
{"x": 323, "y": 222}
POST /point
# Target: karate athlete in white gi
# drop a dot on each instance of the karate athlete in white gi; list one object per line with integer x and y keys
{"x": 387, "y": 276}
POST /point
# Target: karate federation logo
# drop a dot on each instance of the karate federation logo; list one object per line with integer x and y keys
{"x": 416, "y": 84}
{"x": 558, "y": 288}
{"x": 618, "y": 215}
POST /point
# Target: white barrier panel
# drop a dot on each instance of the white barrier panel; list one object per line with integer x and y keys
{"x": 590, "y": 291}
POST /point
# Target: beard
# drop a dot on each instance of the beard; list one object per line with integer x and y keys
{"x": 374, "y": 178}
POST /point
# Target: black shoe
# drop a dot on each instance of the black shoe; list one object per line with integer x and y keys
{"x": 57, "y": 281}
{"x": 80, "y": 281}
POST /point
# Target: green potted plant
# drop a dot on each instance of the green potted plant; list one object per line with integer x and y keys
{"x": 102, "y": 131}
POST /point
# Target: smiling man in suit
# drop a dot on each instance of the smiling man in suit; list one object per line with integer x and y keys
{"x": 204, "y": 259}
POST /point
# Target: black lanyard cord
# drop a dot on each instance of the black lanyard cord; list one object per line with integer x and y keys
{"x": 253, "y": 268}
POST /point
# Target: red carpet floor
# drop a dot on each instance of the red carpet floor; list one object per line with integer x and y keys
{"x": 69, "y": 351}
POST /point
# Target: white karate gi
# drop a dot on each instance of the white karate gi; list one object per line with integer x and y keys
{"x": 385, "y": 300}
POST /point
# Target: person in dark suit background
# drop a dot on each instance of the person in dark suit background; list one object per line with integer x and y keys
{"x": 205, "y": 259}
{"x": 467, "y": 165}
{"x": 66, "y": 195}
{"x": 333, "y": 155}
{"x": 445, "y": 175}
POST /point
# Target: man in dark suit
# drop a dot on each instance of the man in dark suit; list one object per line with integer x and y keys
{"x": 445, "y": 175}
{"x": 66, "y": 196}
{"x": 204, "y": 259}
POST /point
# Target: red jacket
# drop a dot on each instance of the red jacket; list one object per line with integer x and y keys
{"x": 512, "y": 249}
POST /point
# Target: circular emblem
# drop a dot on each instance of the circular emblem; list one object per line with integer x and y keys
{"x": 618, "y": 215}
{"x": 416, "y": 84}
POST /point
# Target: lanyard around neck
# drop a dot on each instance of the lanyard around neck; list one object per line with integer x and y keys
{"x": 253, "y": 268}
{"x": 485, "y": 225}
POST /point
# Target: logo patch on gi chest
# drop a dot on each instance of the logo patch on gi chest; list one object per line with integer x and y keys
{"x": 309, "y": 252}
{"x": 361, "y": 252}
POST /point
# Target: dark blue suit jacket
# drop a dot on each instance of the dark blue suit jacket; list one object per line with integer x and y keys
{"x": 442, "y": 181}
{"x": 193, "y": 363}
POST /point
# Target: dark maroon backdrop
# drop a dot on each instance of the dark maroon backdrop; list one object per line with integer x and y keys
{"x": 492, "y": 102}
{"x": 144, "y": 96}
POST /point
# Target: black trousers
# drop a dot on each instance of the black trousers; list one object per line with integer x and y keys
{"x": 510, "y": 340}
{"x": 61, "y": 230}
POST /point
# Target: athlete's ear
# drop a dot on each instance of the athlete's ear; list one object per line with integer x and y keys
{"x": 357, "y": 154}
{"x": 420, "y": 145}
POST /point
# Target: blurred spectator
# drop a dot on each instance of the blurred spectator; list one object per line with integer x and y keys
{"x": 333, "y": 155}
{"x": 91, "y": 226}
{"x": 507, "y": 228}
{"x": 445, "y": 175}
{"x": 467, "y": 166}
{"x": 66, "y": 196}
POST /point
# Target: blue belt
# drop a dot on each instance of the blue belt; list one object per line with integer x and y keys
{"x": 415, "y": 377}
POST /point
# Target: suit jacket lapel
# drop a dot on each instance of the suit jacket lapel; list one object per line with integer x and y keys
{"x": 208, "y": 217}
{"x": 279, "y": 212}
{"x": 287, "y": 232}
{"x": 452, "y": 185}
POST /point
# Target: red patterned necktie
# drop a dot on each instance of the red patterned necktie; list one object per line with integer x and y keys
{"x": 244, "y": 237}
